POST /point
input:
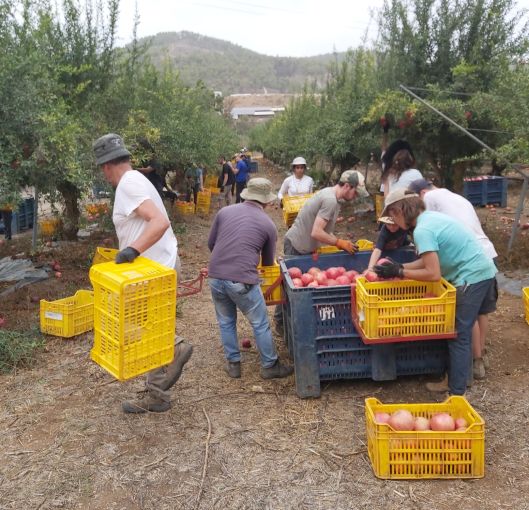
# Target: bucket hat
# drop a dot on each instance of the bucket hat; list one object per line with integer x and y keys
{"x": 109, "y": 147}
{"x": 260, "y": 190}
{"x": 396, "y": 196}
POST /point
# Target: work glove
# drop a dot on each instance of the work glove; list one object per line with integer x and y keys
{"x": 128, "y": 254}
{"x": 345, "y": 245}
{"x": 389, "y": 269}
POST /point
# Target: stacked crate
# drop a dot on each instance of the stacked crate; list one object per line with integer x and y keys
{"x": 203, "y": 202}
{"x": 324, "y": 342}
{"x": 488, "y": 189}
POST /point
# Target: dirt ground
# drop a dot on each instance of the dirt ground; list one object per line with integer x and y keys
{"x": 231, "y": 444}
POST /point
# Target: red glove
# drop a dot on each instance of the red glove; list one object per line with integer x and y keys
{"x": 347, "y": 246}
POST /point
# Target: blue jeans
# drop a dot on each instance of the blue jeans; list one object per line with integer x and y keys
{"x": 227, "y": 297}
{"x": 469, "y": 302}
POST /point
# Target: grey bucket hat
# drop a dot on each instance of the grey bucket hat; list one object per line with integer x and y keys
{"x": 109, "y": 147}
{"x": 260, "y": 190}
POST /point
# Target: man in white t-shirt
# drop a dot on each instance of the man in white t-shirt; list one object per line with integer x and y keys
{"x": 142, "y": 227}
{"x": 459, "y": 208}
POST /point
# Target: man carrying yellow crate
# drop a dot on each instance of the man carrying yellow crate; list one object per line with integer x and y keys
{"x": 314, "y": 224}
{"x": 142, "y": 227}
{"x": 240, "y": 234}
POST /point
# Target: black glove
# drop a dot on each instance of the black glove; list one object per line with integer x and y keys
{"x": 127, "y": 255}
{"x": 389, "y": 269}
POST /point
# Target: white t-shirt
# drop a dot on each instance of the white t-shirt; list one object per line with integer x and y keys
{"x": 293, "y": 186}
{"x": 459, "y": 208}
{"x": 133, "y": 189}
{"x": 405, "y": 179}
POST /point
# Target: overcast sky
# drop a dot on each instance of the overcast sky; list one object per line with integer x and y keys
{"x": 273, "y": 27}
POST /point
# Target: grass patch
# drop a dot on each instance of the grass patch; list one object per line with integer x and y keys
{"x": 18, "y": 348}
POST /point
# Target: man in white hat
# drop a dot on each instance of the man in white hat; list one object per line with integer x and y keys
{"x": 239, "y": 236}
{"x": 142, "y": 227}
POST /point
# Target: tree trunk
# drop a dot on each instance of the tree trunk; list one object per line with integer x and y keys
{"x": 71, "y": 196}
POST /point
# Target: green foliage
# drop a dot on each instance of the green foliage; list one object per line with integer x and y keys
{"x": 18, "y": 348}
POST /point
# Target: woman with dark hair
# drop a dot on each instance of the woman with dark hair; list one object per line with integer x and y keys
{"x": 398, "y": 167}
{"x": 446, "y": 249}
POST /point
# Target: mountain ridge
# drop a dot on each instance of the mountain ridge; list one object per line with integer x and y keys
{"x": 231, "y": 68}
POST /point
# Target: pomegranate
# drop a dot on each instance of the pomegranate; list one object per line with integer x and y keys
{"x": 371, "y": 277}
{"x": 401, "y": 420}
{"x": 351, "y": 274}
{"x": 421, "y": 423}
{"x": 58, "y": 274}
{"x": 297, "y": 282}
{"x": 331, "y": 282}
{"x": 332, "y": 273}
{"x": 442, "y": 422}
{"x": 383, "y": 261}
{"x": 461, "y": 423}
{"x": 343, "y": 280}
{"x": 306, "y": 278}
{"x": 341, "y": 270}
{"x": 382, "y": 417}
{"x": 246, "y": 343}
{"x": 314, "y": 271}
{"x": 313, "y": 284}
{"x": 321, "y": 278}
{"x": 294, "y": 272}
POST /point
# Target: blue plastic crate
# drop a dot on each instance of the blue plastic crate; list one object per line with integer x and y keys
{"x": 254, "y": 167}
{"x": 15, "y": 224}
{"x": 324, "y": 343}
{"x": 489, "y": 190}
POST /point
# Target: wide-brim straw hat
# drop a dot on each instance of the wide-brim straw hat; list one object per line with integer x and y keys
{"x": 260, "y": 190}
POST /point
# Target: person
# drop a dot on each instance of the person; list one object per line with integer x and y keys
{"x": 6, "y": 215}
{"x": 142, "y": 227}
{"x": 390, "y": 237}
{"x": 151, "y": 169}
{"x": 240, "y": 234}
{"x": 446, "y": 249}
{"x": 459, "y": 208}
{"x": 194, "y": 177}
{"x": 398, "y": 167}
{"x": 241, "y": 176}
{"x": 298, "y": 183}
{"x": 226, "y": 180}
{"x": 314, "y": 224}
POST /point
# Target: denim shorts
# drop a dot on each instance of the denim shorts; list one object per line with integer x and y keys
{"x": 490, "y": 300}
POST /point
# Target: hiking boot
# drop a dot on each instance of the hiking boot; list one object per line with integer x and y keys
{"x": 438, "y": 387}
{"x": 276, "y": 371}
{"x": 233, "y": 369}
{"x": 182, "y": 353}
{"x": 478, "y": 369}
{"x": 146, "y": 402}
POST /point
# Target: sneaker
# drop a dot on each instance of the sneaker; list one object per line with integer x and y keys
{"x": 438, "y": 387}
{"x": 478, "y": 369}
{"x": 182, "y": 354}
{"x": 276, "y": 371}
{"x": 146, "y": 402}
{"x": 233, "y": 369}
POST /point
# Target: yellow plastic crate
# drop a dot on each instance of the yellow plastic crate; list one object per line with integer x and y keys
{"x": 403, "y": 310}
{"x": 185, "y": 208}
{"x": 292, "y": 206}
{"x": 269, "y": 276}
{"x": 213, "y": 190}
{"x": 134, "y": 316}
{"x": 210, "y": 181}
{"x": 364, "y": 244}
{"x": 379, "y": 204}
{"x": 49, "y": 227}
{"x": 327, "y": 249}
{"x": 203, "y": 202}
{"x": 69, "y": 316}
{"x": 104, "y": 255}
{"x": 526, "y": 303}
{"x": 426, "y": 454}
